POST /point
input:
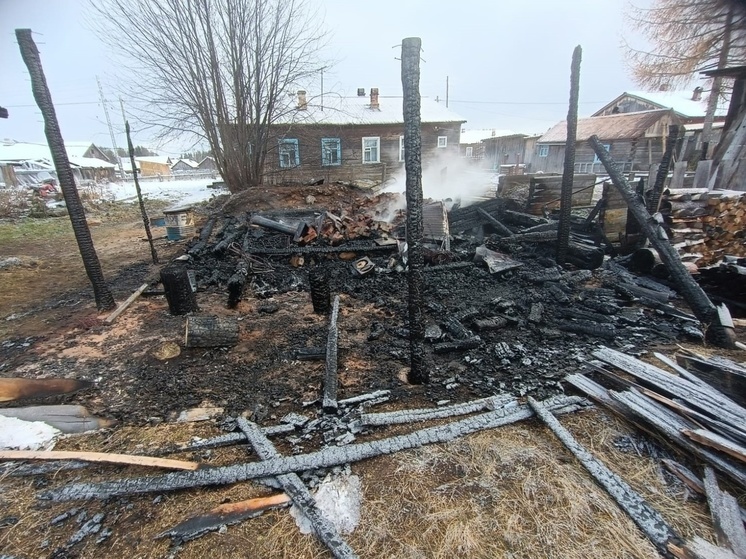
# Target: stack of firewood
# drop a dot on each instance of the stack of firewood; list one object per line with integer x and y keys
{"x": 709, "y": 224}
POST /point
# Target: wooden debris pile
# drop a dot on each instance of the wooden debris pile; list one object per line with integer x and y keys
{"x": 687, "y": 412}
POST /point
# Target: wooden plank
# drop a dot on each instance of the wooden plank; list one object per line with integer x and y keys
{"x": 649, "y": 520}
{"x": 725, "y": 514}
{"x": 713, "y": 440}
{"x": 224, "y": 475}
{"x": 103, "y": 457}
{"x": 131, "y": 299}
{"x": 298, "y": 492}
{"x": 16, "y": 388}
{"x": 410, "y": 416}
{"x": 329, "y": 400}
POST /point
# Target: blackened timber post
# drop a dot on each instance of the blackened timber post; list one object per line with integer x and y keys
{"x": 75, "y": 210}
{"x": 703, "y": 309}
{"x": 410, "y": 78}
{"x": 145, "y": 222}
{"x": 654, "y": 198}
{"x": 563, "y": 232}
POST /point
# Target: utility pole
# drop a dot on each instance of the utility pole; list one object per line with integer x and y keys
{"x": 322, "y": 90}
{"x": 446, "y": 92}
{"x": 111, "y": 130}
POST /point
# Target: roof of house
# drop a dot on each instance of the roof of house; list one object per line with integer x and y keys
{"x": 210, "y": 157}
{"x": 680, "y": 101}
{"x": 190, "y": 162}
{"x": 18, "y": 152}
{"x": 356, "y": 110}
{"x": 478, "y": 134}
{"x": 619, "y": 126}
{"x": 162, "y": 159}
{"x": 127, "y": 164}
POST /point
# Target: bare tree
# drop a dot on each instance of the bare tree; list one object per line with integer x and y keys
{"x": 220, "y": 70}
{"x": 686, "y": 37}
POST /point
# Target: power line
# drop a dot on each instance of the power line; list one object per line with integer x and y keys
{"x": 520, "y": 102}
{"x": 56, "y": 104}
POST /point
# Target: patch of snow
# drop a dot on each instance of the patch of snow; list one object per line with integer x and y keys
{"x": 338, "y": 500}
{"x": 16, "y": 434}
{"x": 182, "y": 191}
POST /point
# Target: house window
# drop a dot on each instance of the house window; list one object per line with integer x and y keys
{"x": 607, "y": 147}
{"x": 469, "y": 151}
{"x": 401, "y": 148}
{"x": 371, "y": 149}
{"x": 543, "y": 151}
{"x": 331, "y": 151}
{"x": 442, "y": 141}
{"x": 289, "y": 155}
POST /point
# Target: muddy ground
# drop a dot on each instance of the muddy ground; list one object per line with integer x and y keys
{"x": 50, "y": 327}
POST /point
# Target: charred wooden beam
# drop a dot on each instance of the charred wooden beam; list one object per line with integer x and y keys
{"x": 522, "y": 219}
{"x": 204, "y": 236}
{"x": 497, "y": 224}
{"x": 377, "y": 395}
{"x": 568, "y": 171}
{"x": 649, "y": 520}
{"x": 654, "y": 198}
{"x": 321, "y": 295}
{"x": 237, "y": 283}
{"x": 298, "y": 492}
{"x": 223, "y": 245}
{"x": 412, "y": 416}
{"x": 458, "y": 345}
{"x": 606, "y": 331}
{"x": 726, "y": 515}
{"x": 211, "y": 331}
{"x": 697, "y": 299}
{"x": 329, "y": 400}
{"x": 230, "y": 439}
{"x": 310, "y": 354}
{"x": 297, "y": 231}
{"x": 224, "y": 475}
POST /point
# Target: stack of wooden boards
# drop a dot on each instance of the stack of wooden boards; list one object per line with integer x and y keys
{"x": 706, "y": 223}
{"x": 684, "y": 411}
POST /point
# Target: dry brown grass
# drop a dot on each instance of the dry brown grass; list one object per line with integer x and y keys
{"x": 511, "y": 492}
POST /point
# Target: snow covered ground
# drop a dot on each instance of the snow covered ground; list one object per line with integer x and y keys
{"x": 177, "y": 191}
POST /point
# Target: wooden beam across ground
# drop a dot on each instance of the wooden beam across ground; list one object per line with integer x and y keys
{"x": 131, "y": 299}
{"x": 103, "y": 457}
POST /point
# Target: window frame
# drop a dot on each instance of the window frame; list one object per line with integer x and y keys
{"x": 469, "y": 151}
{"x": 324, "y": 162}
{"x": 445, "y": 142}
{"x": 543, "y": 150}
{"x": 377, "y": 148}
{"x": 296, "y": 144}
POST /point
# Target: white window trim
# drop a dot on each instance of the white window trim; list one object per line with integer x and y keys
{"x": 469, "y": 151}
{"x": 543, "y": 151}
{"x": 401, "y": 148}
{"x": 445, "y": 141}
{"x": 378, "y": 149}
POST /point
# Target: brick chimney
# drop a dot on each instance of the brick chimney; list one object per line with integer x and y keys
{"x": 374, "y": 99}
{"x": 361, "y": 92}
{"x": 302, "y": 102}
{"x": 697, "y": 94}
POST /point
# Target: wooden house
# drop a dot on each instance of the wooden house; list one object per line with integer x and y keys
{"x": 355, "y": 138}
{"x": 154, "y": 166}
{"x": 506, "y": 153}
{"x": 207, "y": 164}
{"x": 87, "y": 161}
{"x": 182, "y": 166}
{"x": 471, "y": 146}
{"x": 635, "y": 140}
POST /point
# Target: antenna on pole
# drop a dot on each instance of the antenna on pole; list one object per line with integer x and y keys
{"x": 111, "y": 130}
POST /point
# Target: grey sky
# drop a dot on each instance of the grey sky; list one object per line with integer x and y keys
{"x": 508, "y": 61}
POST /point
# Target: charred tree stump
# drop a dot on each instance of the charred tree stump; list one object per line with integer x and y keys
{"x": 178, "y": 287}
{"x": 211, "y": 331}
{"x": 320, "y": 293}
{"x": 329, "y": 401}
{"x": 410, "y": 77}
{"x": 145, "y": 220}
{"x": 568, "y": 172}
{"x": 237, "y": 283}
{"x": 697, "y": 299}
{"x": 298, "y": 492}
{"x": 42, "y": 96}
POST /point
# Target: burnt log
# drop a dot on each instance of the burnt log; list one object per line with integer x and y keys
{"x": 321, "y": 295}
{"x": 492, "y": 323}
{"x": 606, "y": 331}
{"x": 310, "y": 354}
{"x": 649, "y": 520}
{"x": 704, "y": 310}
{"x": 459, "y": 345}
{"x": 224, "y": 475}
{"x": 223, "y": 245}
{"x": 211, "y": 331}
{"x": 456, "y": 329}
{"x": 329, "y": 400}
{"x": 497, "y": 224}
{"x": 179, "y": 289}
{"x": 204, "y": 236}
{"x": 398, "y": 417}
{"x": 522, "y": 219}
{"x": 237, "y": 283}
{"x": 297, "y": 231}
{"x": 584, "y": 257}
{"x": 298, "y": 492}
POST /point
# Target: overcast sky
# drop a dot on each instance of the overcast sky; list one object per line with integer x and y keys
{"x": 507, "y": 61}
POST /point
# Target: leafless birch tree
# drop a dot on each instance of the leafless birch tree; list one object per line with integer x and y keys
{"x": 220, "y": 70}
